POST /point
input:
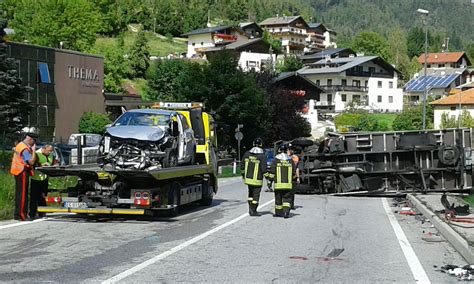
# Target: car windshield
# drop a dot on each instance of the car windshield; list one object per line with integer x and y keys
{"x": 143, "y": 119}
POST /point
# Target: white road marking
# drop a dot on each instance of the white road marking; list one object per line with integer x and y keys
{"x": 21, "y": 223}
{"x": 177, "y": 248}
{"x": 415, "y": 266}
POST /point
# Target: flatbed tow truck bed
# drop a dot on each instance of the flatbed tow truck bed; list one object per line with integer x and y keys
{"x": 137, "y": 192}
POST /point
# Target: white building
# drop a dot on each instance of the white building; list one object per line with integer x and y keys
{"x": 291, "y": 31}
{"x": 453, "y": 106}
{"x": 253, "y": 54}
{"x": 368, "y": 80}
{"x": 201, "y": 39}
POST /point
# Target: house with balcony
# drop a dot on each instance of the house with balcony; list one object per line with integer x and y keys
{"x": 201, "y": 39}
{"x": 369, "y": 81}
{"x": 291, "y": 31}
{"x": 319, "y": 38}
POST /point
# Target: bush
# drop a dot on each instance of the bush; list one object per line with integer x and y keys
{"x": 92, "y": 122}
{"x": 7, "y": 195}
{"x": 370, "y": 123}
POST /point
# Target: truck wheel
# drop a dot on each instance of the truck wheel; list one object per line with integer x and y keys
{"x": 207, "y": 200}
{"x": 174, "y": 195}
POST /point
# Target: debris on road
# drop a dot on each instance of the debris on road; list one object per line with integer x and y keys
{"x": 452, "y": 207}
{"x": 464, "y": 273}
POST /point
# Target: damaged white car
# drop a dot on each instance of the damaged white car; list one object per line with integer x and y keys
{"x": 148, "y": 139}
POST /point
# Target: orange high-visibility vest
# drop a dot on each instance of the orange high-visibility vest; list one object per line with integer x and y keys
{"x": 18, "y": 164}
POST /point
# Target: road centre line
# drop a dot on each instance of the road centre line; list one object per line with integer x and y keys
{"x": 415, "y": 266}
{"x": 177, "y": 248}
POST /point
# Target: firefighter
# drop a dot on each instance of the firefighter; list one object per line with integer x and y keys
{"x": 24, "y": 158}
{"x": 282, "y": 172}
{"x": 253, "y": 169}
{"x": 39, "y": 181}
{"x": 296, "y": 178}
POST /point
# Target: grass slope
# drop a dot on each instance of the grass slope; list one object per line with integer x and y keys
{"x": 159, "y": 45}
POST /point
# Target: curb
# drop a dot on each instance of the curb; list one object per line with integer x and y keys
{"x": 454, "y": 238}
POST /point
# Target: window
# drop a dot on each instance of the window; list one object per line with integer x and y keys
{"x": 356, "y": 83}
{"x": 329, "y": 82}
{"x": 366, "y": 84}
{"x": 379, "y": 99}
{"x": 280, "y": 29}
{"x": 379, "y": 84}
{"x": 453, "y": 108}
{"x": 390, "y": 99}
{"x": 371, "y": 70}
{"x": 359, "y": 68}
{"x": 194, "y": 43}
{"x": 390, "y": 85}
{"x": 317, "y": 82}
{"x": 441, "y": 65}
{"x": 343, "y": 97}
{"x": 428, "y": 65}
{"x": 329, "y": 96}
{"x": 44, "y": 73}
{"x": 202, "y": 43}
{"x": 344, "y": 82}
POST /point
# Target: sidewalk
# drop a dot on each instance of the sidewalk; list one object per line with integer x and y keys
{"x": 460, "y": 235}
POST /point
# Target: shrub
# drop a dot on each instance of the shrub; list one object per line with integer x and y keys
{"x": 92, "y": 122}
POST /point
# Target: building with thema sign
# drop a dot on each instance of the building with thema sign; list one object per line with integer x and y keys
{"x": 64, "y": 84}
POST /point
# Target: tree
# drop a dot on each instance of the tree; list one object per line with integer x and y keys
{"x": 412, "y": 118}
{"x": 470, "y": 51}
{"x": 447, "y": 121}
{"x": 290, "y": 63}
{"x": 14, "y": 107}
{"x": 372, "y": 43}
{"x": 274, "y": 43}
{"x": 49, "y": 22}
{"x": 92, "y": 122}
{"x": 368, "y": 122}
{"x": 415, "y": 42}
{"x": 140, "y": 56}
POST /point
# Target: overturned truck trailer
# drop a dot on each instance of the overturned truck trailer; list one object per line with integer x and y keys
{"x": 387, "y": 162}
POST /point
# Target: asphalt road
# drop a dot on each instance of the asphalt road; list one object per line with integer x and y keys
{"x": 327, "y": 239}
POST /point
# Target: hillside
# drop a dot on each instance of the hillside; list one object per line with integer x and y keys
{"x": 454, "y": 18}
{"x": 159, "y": 45}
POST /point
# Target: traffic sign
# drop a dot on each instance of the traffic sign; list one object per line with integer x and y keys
{"x": 239, "y": 136}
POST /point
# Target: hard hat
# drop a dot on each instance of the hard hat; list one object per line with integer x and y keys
{"x": 283, "y": 148}
{"x": 258, "y": 142}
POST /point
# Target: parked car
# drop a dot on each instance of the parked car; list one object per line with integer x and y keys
{"x": 146, "y": 139}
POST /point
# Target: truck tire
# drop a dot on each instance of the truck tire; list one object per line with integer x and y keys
{"x": 174, "y": 195}
{"x": 207, "y": 197}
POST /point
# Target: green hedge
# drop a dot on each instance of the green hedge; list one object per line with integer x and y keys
{"x": 7, "y": 195}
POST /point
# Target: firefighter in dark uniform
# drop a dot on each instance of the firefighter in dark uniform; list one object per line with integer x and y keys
{"x": 282, "y": 171}
{"x": 253, "y": 168}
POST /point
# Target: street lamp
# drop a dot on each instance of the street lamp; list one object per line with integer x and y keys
{"x": 460, "y": 109}
{"x": 425, "y": 14}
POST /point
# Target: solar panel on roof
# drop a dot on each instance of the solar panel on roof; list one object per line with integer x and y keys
{"x": 430, "y": 82}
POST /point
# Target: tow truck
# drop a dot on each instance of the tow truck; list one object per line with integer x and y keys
{"x": 108, "y": 190}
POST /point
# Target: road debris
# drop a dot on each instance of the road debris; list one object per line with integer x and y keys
{"x": 464, "y": 273}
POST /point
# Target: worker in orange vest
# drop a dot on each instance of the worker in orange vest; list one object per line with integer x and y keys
{"x": 24, "y": 157}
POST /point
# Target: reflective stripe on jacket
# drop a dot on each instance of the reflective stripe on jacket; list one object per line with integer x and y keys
{"x": 18, "y": 164}
{"x": 42, "y": 161}
{"x": 283, "y": 175}
{"x": 254, "y": 167}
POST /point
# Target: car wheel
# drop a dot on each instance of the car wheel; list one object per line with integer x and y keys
{"x": 170, "y": 159}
